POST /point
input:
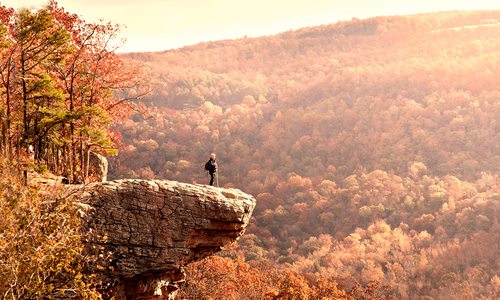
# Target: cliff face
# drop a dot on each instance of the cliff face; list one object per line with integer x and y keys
{"x": 148, "y": 230}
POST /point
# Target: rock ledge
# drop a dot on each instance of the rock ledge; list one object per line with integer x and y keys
{"x": 150, "y": 229}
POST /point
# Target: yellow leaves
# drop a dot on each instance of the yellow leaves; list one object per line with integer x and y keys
{"x": 353, "y": 238}
{"x": 327, "y": 187}
{"x": 225, "y": 278}
{"x": 40, "y": 246}
{"x": 280, "y": 211}
{"x": 298, "y": 182}
{"x": 372, "y": 272}
{"x": 423, "y": 239}
{"x": 417, "y": 169}
{"x": 365, "y": 211}
{"x": 409, "y": 202}
{"x": 351, "y": 183}
{"x": 183, "y": 164}
{"x": 495, "y": 282}
{"x": 436, "y": 192}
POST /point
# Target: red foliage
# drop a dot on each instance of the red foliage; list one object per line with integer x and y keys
{"x": 371, "y": 146}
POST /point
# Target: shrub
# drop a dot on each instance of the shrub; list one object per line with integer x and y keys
{"x": 40, "y": 243}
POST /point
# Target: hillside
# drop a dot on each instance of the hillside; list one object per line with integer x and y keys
{"x": 372, "y": 146}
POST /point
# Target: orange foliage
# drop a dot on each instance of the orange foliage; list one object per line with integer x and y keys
{"x": 370, "y": 145}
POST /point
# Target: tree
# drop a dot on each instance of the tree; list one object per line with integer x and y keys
{"x": 41, "y": 44}
{"x": 6, "y": 75}
{"x": 63, "y": 86}
{"x": 99, "y": 88}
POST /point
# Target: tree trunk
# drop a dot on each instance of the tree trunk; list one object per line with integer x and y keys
{"x": 25, "y": 101}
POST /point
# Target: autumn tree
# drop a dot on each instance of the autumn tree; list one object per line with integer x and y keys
{"x": 63, "y": 87}
{"x": 7, "y": 70}
{"x": 41, "y": 44}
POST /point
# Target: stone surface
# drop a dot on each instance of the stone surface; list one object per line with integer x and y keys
{"x": 151, "y": 229}
{"x": 98, "y": 167}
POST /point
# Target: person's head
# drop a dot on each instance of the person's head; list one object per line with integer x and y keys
{"x": 212, "y": 156}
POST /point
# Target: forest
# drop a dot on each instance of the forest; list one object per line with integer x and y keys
{"x": 62, "y": 86}
{"x": 60, "y": 81}
{"x": 372, "y": 148}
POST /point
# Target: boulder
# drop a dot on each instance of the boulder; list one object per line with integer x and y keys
{"x": 98, "y": 167}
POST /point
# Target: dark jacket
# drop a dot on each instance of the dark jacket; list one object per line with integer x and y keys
{"x": 212, "y": 166}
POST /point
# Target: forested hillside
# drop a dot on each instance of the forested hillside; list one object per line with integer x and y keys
{"x": 372, "y": 146}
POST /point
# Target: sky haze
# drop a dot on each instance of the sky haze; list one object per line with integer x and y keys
{"x": 156, "y": 25}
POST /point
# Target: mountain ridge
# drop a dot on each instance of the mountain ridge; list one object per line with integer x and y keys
{"x": 318, "y": 29}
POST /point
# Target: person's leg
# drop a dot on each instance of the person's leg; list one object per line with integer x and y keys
{"x": 211, "y": 178}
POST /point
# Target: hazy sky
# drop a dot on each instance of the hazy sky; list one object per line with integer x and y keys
{"x": 153, "y": 25}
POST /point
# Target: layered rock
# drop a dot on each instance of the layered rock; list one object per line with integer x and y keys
{"x": 148, "y": 230}
{"x": 98, "y": 165}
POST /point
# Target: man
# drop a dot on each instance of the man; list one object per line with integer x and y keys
{"x": 211, "y": 167}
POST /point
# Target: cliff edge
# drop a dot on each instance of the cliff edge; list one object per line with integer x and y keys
{"x": 146, "y": 231}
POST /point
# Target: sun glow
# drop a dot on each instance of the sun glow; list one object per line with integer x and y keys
{"x": 154, "y": 25}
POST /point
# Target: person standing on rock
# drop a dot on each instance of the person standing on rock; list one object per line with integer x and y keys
{"x": 211, "y": 167}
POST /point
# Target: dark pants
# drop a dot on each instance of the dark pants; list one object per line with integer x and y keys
{"x": 212, "y": 176}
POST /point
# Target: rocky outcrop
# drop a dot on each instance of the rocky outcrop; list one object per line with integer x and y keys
{"x": 98, "y": 167}
{"x": 148, "y": 230}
